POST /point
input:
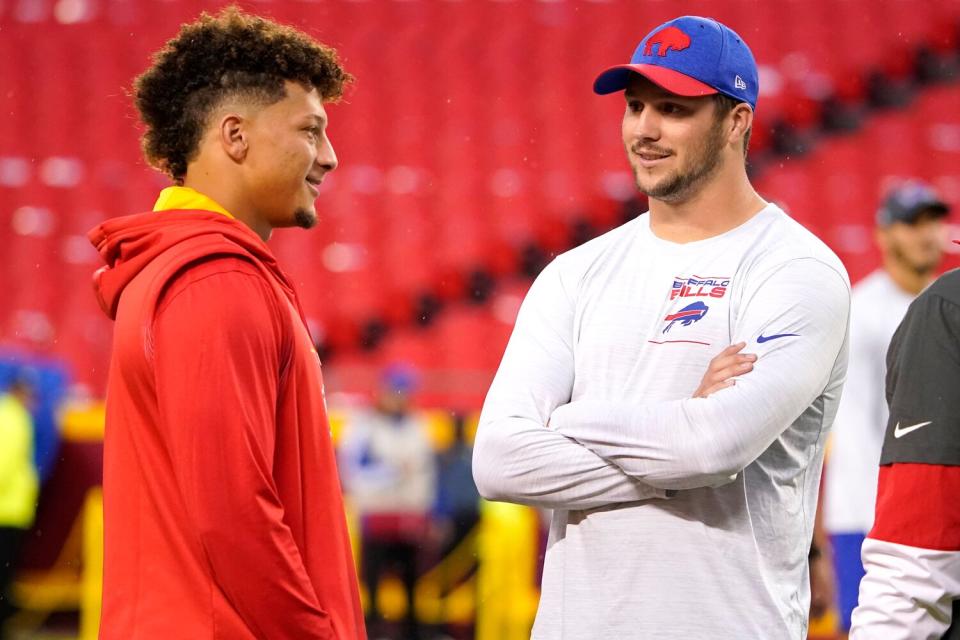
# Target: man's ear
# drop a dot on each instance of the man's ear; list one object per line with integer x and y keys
{"x": 233, "y": 136}
{"x": 881, "y": 236}
{"x": 742, "y": 121}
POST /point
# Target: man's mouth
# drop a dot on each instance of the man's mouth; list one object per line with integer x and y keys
{"x": 650, "y": 154}
{"x": 648, "y": 158}
{"x": 314, "y": 184}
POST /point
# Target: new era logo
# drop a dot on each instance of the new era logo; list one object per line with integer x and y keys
{"x": 739, "y": 83}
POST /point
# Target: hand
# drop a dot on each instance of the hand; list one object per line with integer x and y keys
{"x": 724, "y": 366}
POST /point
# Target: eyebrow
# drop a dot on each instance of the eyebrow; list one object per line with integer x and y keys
{"x": 319, "y": 119}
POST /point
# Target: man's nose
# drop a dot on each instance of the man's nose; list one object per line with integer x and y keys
{"x": 326, "y": 156}
{"x": 645, "y": 125}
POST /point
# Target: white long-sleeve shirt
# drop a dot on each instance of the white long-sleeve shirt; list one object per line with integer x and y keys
{"x": 850, "y": 486}
{"x": 650, "y": 537}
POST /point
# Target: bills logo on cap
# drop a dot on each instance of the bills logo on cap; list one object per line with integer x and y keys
{"x": 686, "y": 316}
{"x": 665, "y": 40}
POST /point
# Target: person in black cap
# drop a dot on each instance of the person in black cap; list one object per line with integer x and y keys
{"x": 683, "y": 502}
{"x": 910, "y": 236}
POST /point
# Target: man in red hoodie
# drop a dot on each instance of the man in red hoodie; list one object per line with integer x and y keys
{"x": 223, "y": 511}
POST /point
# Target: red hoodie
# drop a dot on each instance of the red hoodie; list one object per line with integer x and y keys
{"x": 223, "y": 516}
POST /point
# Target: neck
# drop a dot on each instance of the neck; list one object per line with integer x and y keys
{"x": 227, "y": 196}
{"x": 724, "y": 203}
{"x": 907, "y": 279}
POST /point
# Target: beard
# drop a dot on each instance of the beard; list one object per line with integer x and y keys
{"x": 305, "y": 218}
{"x": 684, "y": 182}
{"x": 919, "y": 267}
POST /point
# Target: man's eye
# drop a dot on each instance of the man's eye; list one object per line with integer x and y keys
{"x": 633, "y": 106}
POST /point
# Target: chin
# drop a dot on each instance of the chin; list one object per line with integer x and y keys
{"x": 305, "y": 218}
{"x": 653, "y": 188}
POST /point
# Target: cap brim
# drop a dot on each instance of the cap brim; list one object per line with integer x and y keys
{"x": 616, "y": 78}
{"x": 935, "y": 208}
{"x": 939, "y": 208}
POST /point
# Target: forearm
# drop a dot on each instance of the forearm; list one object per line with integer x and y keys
{"x": 269, "y": 587}
{"x": 231, "y": 499}
{"x": 660, "y": 444}
{"x": 907, "y": 592}
{"x": 694, "y": 442}
{"x": 518, "y": 460}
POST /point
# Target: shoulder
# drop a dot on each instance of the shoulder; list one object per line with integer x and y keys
{"x": 573, "y": 265}
{"x": 214, "y": 265}
{"x": 782, "y": 242}
{"x": 218, "y": 286}
{"x": 933, "y": 319}
{"x": 937, "y": 306}
{"x": 946, "y": 288}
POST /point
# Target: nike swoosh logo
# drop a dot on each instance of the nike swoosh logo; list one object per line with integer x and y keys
{"x": 899, "y": 433}
{"x": 762, "y": 338}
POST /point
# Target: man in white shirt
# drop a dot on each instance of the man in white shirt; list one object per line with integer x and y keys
{"x": 910, "y": 236}
{"x": 675, "y": 515}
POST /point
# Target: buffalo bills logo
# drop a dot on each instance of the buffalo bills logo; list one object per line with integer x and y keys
{"x": 666, "y": 39}
{"x": 686, "y": 316}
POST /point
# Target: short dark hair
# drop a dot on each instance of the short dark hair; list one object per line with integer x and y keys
{"x": 725, "y": 104}
{"x": 215, "y": 58}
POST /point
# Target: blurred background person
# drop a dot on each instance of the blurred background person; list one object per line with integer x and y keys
{"x": 910, "y": 235}
{"x": 389, "y": 473}
{"x": 19, "y": 486}
{"x": 457, "y": 507}
{"x": 823, "y": 582}
{"x": 458, "y": 502}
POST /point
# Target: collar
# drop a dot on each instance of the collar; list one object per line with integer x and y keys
{"x": 187, "y": 199}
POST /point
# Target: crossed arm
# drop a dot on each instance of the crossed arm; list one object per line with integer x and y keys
{"x": 597, "y": 452}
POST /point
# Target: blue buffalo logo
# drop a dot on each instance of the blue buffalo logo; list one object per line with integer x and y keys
{"x": 686, "y": 316}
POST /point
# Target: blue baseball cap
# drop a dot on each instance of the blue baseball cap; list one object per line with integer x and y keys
{"x": 690, "y": 56}
{"x": 907, "y": 201}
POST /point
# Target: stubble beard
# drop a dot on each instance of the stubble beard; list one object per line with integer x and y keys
{"x": 922, "y": 269}
{"x": 680, "y": 186}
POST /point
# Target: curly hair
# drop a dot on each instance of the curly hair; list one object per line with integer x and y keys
{"x": 230, "y": 55}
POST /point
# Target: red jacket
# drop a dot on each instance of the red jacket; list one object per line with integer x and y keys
{"x": 223, "y": 516}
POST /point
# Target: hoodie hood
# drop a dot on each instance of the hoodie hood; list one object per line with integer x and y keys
{"x": 129, "y": 244}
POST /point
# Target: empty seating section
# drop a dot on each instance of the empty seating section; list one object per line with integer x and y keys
{"x": 471, "y": 132}
{"x": 835, "y": 189}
